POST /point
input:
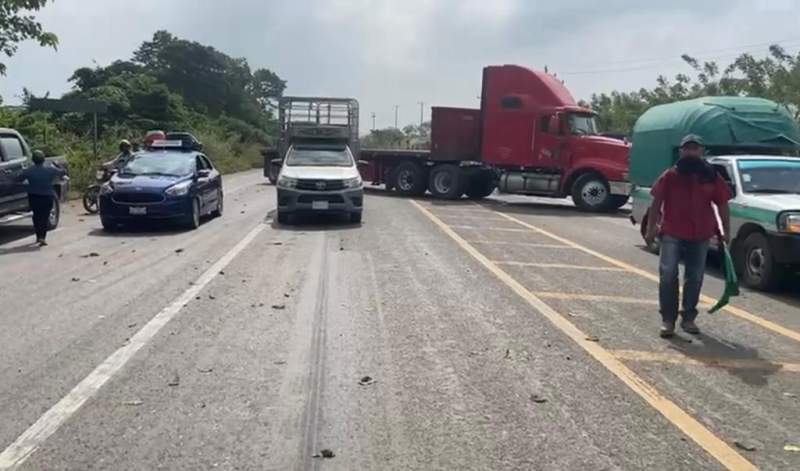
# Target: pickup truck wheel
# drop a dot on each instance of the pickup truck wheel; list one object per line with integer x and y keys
{"x": 55, "y": 215}
{"x": 590, "y": 192}
{"x": 409, "y": 179}
{"x": 758, "y": 267}
{"x": 481, "y": 185}
{"x": 652, "y": 247}
{"x": 283, "y": 218}
{"x": 447, "y": 182}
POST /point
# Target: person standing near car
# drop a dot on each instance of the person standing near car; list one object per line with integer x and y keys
{"x": 40, "y": 180}
{"x": 682, "y": 214}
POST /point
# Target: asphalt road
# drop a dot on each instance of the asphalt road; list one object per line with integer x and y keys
{"x": 516, "y": 333}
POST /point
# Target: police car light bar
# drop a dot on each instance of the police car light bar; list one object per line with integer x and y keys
{"x": 167, "y": 144}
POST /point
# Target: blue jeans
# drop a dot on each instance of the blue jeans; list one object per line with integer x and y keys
{"x": 694, "y": 261}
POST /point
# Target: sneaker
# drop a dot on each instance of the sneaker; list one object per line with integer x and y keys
{"x": 667, "y": 330}
{"x": 690, "y": 327}
{"x": 42, "y": 243}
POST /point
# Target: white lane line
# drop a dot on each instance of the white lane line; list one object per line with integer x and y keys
{"x": 42, "y": 429}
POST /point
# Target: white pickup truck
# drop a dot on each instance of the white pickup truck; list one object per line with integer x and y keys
{"x": 15, "y": 156}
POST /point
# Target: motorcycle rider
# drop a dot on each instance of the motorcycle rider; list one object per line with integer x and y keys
{"x": 125, "y": 155}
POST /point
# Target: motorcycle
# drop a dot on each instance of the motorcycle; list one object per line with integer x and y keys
{"x": 92, "y": 194}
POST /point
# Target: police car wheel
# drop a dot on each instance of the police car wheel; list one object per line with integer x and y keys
{"x": 218, "y": 210}
{"x": 193, "y": 218}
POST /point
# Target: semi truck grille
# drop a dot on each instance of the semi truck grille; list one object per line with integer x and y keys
{"x": 320, "y": 185}
{"x": 137, "y": 198}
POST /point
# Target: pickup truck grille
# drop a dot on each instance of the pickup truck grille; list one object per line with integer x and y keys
{"x": 137, "y": 198}
{"x": 320, "y": 185}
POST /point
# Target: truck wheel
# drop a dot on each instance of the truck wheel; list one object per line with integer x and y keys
{"x": 283, "y": 218}
{"x": 590, "y": 193}
{"x": 409, "y": 179}
{"x": 55, "y": 215}
{"x": 447, "y": 182}
{"x": 274, "y": 170}
{"x": 618, "y": 201}
{"x": 481, "y": 185}
{"x": 759, "y": 269}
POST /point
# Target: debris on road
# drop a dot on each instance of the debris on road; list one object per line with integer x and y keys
{"x": 367, "y": 381}
{"x": 279, "y": 362}
{"x": 790, "y": 395}
{"x": 508, "y": 354}
{"x": 75, "y": 278}
{"x": 212, "y": 297}
{"x": 593, "y": 338}
{"x": 746, "y": 446}
{"x": 178, "y": 250}
{"x": 286, "y": 295}
{"x": 221, "y": 272}
{"x": 105, "y": 263}
{"x": 279, "y": 307}
{"x": 538, "y": 399}
{"x": 205, "y": 369}
{"x": 135, "y": 402}
{"x": 277, "y": 243}
{"x": 90, "y": 254}
{"x": 326, "y": 453}
{"x": 175, "y": 381}
{"x": 132, "y": 325}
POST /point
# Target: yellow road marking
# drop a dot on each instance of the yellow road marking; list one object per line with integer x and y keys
{"x": 717, "y": 448}
{"x": 600, "y": 297}
{"x": 526, "y": 244}
{"x": 738, "y": 312}
{"x": 717, "y": 362}
{"x": 557, "y": 265}
{"x": 499, "y": 229}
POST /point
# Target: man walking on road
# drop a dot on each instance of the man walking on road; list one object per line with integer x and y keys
{"x": 41, "y": 193}
{"x": 683, "y": 215}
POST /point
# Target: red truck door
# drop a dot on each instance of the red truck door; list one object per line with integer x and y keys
{"x": 549, "y": 144}
{"x": 509, "y": 132}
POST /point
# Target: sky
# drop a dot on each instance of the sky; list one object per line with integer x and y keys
{"x": 389, "y": 53}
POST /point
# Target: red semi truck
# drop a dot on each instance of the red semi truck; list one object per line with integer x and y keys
{"x": 528, "y": 137}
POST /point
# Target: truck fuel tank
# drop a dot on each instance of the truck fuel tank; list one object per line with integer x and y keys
{"x": 529, "y": 183}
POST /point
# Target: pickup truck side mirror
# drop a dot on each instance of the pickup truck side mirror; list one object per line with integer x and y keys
{"x": 362, "y": 163}
{"x": 203, "y": 173}
{"x": 277, "y": 162}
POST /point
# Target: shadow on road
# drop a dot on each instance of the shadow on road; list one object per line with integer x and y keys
{"x": 13, "y": 233}
{"x": 313, "y": 223}
{"x": 710, "y": 350}
{"x": 549, "y": 209}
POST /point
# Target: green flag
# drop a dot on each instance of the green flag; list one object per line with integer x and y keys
{"x": 731, "y": 281}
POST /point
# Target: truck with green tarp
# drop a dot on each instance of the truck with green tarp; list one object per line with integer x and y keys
{"x": 753, "y": 143}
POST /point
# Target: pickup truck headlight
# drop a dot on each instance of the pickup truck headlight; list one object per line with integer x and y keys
{"x": 106, "y": 188}
{"x": 789, "y": 222}
{"x": 353, "y": 182}
{"x": 179, "y": 189}
{"x": 287, "y": 182}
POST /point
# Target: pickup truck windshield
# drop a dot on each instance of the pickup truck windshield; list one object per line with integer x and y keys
{"x": 770, "y": 176}
{"x": 582, "y": 124}
{"x": 167, "y": 164}
{"x": 309, "y": 157}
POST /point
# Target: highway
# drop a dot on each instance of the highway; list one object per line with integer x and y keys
{"x": 508, "y": 334}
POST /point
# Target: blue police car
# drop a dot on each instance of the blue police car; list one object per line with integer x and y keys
{"x": 166, "y": 182}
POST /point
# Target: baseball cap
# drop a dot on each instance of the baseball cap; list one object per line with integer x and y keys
{"x": 692, "y": 138}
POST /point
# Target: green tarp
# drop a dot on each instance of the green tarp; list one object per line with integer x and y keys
{"x": 724, "y": 123}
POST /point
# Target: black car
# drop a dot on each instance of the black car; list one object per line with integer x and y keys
{"x": 168, "y": 184}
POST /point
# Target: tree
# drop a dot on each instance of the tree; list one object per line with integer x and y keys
{"x": 16, "y": 26}
{"x": 267, "y": 86}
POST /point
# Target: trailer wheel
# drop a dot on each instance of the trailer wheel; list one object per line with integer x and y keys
{"x": 274, "y": 170}
{"x": 447, "y": 182}
{"x": 481, "y": 184}
{"x": 758, "y": 267}
{"x": 409, "y": 179}
{"x": 590, "y": 192}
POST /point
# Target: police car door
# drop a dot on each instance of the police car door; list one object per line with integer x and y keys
{"x": 12, "y": 162}
{"x": 204, "y": 187}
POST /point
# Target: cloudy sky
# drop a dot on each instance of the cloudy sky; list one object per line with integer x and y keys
{"x": 401, "y": 52}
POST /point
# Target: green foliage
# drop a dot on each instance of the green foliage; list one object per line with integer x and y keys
{"x": 411, "y": 137}
{"x": 16, "y": 26}
{"x": 776, "y": 77}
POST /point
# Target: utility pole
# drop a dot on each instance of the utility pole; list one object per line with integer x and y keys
{"x": 373, "y": 120}
{"x": 396, "y": 108}
{"x": 421, "y": 112}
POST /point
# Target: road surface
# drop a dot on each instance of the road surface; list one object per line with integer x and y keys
{"x": 514, "y": 334}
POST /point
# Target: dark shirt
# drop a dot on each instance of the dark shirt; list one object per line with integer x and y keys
{"x": 40, "y": 179}
{"x": 687, "y": 212}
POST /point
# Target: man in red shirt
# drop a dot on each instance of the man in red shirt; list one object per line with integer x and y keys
{"x": 683, "y": 215}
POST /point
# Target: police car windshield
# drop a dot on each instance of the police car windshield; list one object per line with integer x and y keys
{"x": 319, "y": 157}
{"x": 166, "y": 164}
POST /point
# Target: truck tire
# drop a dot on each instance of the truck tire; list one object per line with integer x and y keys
{"x": 758, "y": 267}
{"x": 481, "y": 184}
{"x": 272, "y": 173}
{"x": 590, "y": 192}
{"x": 283, "y": 218}
{"x": 618, "y": 201}
{"x": 447, "y": 182}
{"x": 55, "y": 215}
{"x": 409, "y": 179}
